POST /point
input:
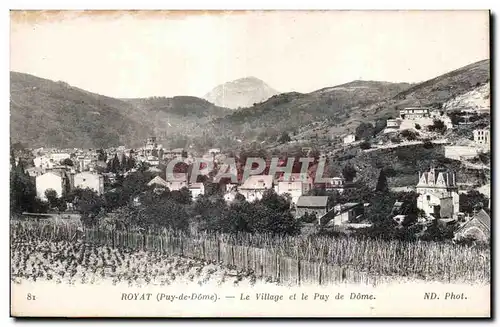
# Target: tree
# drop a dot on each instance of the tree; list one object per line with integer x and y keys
{"x": 382, "y": 185}
{"x": 380, "y": 125}
{"x": 409, "y": 207}
{"x": 349, "y": 173}
{"x": 67, "y": 162}
{"x": 213, "y": 189}
{"x": 102, "y": 155}
{"x": 409, "y": 135}
{"x": 284, "y": 138}
{"x": 164, "y": 213}
{"x": 438, "y": 126}
{"x": 309, "y": 218}
{"x": 274, "y": 201}
{"x": 123, "y": 162}
{"x": 51, "y": 196}
{"x": 428, "y": 144}
{"x": 23, "y": 192}
{"x": 130, "y": 162}
{"x": 86, "y": 201}
{"x": 364, "y": 131}
{"x": 365, "y": 145}
{"x": 472, "y": 201}
{"x": 435, "y": 232}
{"x": 115, "y": 164}
{"x": 380, "y": 208}
{"x": 182, "y": 196}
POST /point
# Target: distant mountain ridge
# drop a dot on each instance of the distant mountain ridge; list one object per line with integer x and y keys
{"x": 240, "y": 93}
{"x": 56, "y": 114}
{"x": 48, "y": 113}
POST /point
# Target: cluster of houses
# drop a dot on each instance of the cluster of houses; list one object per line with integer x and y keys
{"x": 411, "y": 117}
{"x": 438, "y": 198}
{"x": 296, "y": 186}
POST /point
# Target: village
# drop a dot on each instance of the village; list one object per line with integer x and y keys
{"x": 56, "y": 172}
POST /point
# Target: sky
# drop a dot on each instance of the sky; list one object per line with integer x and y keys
{"x": 142, "y": 54}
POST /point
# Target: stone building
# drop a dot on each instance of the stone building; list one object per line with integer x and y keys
{"x": 438, "y": 193}
{"x": 478, "y": 228}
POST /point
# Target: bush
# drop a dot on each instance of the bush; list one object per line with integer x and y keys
{"x": 428, "y": 144}
{"x": 309, "y": 218}
{"x": 438, "y": 126}
{"x": 365, "y": 130}
{"x": 365, "y": 145}
{"x": 409, "y": 135}
{"x": 418, "y": 127}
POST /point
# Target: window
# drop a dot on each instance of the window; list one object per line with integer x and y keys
{"x": 428, "y": 197}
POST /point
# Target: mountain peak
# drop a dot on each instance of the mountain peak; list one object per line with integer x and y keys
{"x": 240, "y": 93}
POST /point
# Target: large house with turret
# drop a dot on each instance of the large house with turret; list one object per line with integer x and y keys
{"x": 438, "y": 193}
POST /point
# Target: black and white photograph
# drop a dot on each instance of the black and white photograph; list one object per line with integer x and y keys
{"x": 271, "y": 163}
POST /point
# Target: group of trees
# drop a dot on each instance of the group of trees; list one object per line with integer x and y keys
{"x": 122, "y": 164}
{"x": 366, "y": 131}
{"x": 23, "y": 191}
{"x": 271, "y": 214}
{"x": 473, "y": 201}
{"x": 438, "y": 126}
{"x": 409, "y": 134}
{"x": 284, "y": 138}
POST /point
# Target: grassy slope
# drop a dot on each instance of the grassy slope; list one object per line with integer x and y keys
{"x": 289, "y": 111}
{"x": 47, "y": 113}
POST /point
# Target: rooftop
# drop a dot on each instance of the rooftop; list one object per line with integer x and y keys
{"x": 312, "y": 201}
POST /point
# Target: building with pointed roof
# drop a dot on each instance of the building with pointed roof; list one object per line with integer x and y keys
{"x": 438, "y": 193}
{"x": 312, "y": 205}
{"x": 55, "y": 180}
{"x": 158, "y": 182}
{"x": 478, "y": 228}
{"x": 254, "y": 187}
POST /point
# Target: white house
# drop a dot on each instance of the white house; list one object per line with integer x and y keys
{"x": 54, "y": 180}
{"x": 295, "y": 185}
{"x": 214, "y": 151}
{"x": 337, "y": 184}
{"x": 460, "y": 152}
{"x": 89, "y": 180}
{"x": 414, "y": 113}
{"x": 438, "y": 193}
{"x": 158, "y": 183}
{"x": 349, "y": 139}
{"x": 393, "y": 123}
{"x": 254, "y": 187}
{"x": 347, "y": 213}
{"x": 58, "y": 157}
{"x": 232, "y": 191}
{"x": 482, "y": 136}
{"x": 196, "y": 189}
{"x": 176, "y": 181}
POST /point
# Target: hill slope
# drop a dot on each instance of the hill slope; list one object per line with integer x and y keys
{"x": 180, "y": 115}
{"x": 240, "y": 93}
{"x": 54, "y": 114}
{"x": 478, "y": 99}
{"x": 436, "y": 93}
{"x": 289, "y": 111}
